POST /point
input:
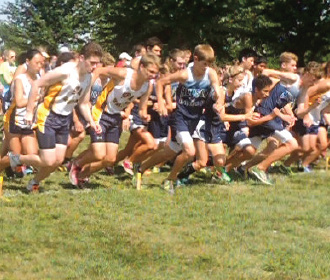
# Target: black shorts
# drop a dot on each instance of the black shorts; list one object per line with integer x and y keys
{"x": 111, "y": 125}
{"x": 55, "y": 131}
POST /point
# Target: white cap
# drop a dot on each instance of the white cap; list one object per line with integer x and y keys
{"x": 64, "y": 49}
{"x": 125, "y": 55}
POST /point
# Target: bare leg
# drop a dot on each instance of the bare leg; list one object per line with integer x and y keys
{"x": 159, "y": 156}
{"x": 279, "y": 153}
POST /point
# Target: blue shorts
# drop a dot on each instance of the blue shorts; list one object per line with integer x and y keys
{"x": 300, "y": 129}
{"x": 261, "y": 131}
{"x": 16, "y": 129}
{"x": 215, "y": 133}
{"x": 136, "y": 121}
{"x": 158, "y": 126}
{"x": 234, "y": 137}
{"x": 111, "y": 125}
{"x": 179, "y": 123}
{"x": 56, "y": 131}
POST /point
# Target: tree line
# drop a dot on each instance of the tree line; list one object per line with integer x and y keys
{"x": 269, "y": 27}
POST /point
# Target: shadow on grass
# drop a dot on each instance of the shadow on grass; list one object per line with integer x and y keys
{"x": 92, "y": 186}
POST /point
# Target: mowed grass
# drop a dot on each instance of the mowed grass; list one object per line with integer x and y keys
{"x": 111, "y": 231}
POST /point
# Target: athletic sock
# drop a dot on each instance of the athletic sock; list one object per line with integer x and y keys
{"x": 189, "y": 169}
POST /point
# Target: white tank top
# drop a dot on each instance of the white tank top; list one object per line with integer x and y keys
{"x": 20, "y": 112}
{"x": 61, "y": 98}
{"x": 122, "y": 95}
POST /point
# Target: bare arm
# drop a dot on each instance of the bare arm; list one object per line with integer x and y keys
{"x": 117, "y": 73}
{"x": 125, "y": 114}
{"x": 168, "y": 98}
{"x": 143, "y": 105}
{"x": 287, "y": 77}
{"x": 7, "y": 75}
{"x": 220, "y": 100}
{"x": 85, "y": 109}
{"x": 248, "y": 103}
{"x": 320, "y": 87}
{"x": 19, "y": 99}
{"x": 20, "y": 70}
{"x": 259, "y": 121}
{"x": 326, "y": 114}
{"x": 180, "y": 76}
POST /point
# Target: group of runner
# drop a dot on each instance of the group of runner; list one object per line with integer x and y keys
{"x": 185, "y": 110}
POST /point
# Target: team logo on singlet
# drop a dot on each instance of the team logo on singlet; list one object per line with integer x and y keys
{"x": 127, "y": 94}
{"x": 75, "y": 95}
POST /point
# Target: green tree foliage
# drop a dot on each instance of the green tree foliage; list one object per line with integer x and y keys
{"x": 13, "y": 37}
{"x": 49, "y": 22}
{"x": 270, "y": 27}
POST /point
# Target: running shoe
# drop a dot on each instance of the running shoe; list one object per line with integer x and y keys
{"x": 307, "y": 169}
{"x": 286, "y": 170}
{"x": 28, "y": 170}
{"x": 73, "y": 175}
{"x": 14, "y": 160}
{"x": 260, "y": 175}
{"x": 128, "y": 167}
{"x": 300, "y": 166}
{"x": 168, "y": 186}
{"x": 187, "y": 170}
{"x": 243, "y": 172}
{"x": 182, "y": 182}
{"x": 156, "y": 170}
{"x": 82, "y": 182}
{"x": 221, "y": 177}
{"x": 33, "y": 187}
{"x": 19, "y": 171}
{"x": 69, "y": 165}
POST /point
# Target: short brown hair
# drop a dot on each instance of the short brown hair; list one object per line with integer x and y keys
{"x": 286, "y": 57}
{"x": 91, "y": 49}
{"x": 154, "y": 41}
{"x": 175, "y": 53}
{"x": 204, "y": 52}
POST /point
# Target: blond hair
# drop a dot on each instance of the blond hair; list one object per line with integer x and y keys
{"x": 204, "y": 52}
{"x": 286, "y": 57}
{"x": 314, "y": 68}
{"x": 150, "y": 58}
{"x": 107, "y": 59}
{"x": 235, "y": 70}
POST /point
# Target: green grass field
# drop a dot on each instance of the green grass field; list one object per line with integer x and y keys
{"x": 111, "y": 231}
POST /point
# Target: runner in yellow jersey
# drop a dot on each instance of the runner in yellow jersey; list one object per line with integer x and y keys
{"x": 65, "y": 86}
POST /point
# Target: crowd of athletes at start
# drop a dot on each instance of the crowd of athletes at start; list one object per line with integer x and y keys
{"x": 181, "y": 110}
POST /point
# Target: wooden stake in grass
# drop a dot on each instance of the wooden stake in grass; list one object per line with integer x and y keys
{"x": 1, "y": 181}
{"x": 138, "y": 181}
